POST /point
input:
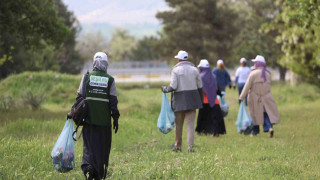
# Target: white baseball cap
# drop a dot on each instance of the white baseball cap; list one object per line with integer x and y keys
{"x": 204, "y": 63}
{"x": 242, "y": 60}
{"x": 220, "y": 61}
{"x": 259, "y": 58}
{"x": 183, "y": 55}
{"x": 100, "y": 56}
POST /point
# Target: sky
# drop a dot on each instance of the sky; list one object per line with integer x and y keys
{"x": 117, "y": 12}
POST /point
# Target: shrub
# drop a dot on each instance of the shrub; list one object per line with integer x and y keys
{"x": 6, "y": 103}
{"x": 33, "y": 100}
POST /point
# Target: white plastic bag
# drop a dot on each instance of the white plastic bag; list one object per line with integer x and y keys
{"x": 223, "y": 104}
{"x": 244, "y": 122}
{"x": 62, "y": 154}
{"x": 166, "y": 117}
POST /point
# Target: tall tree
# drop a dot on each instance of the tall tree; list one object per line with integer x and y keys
{"x": 146, "y": 49}
{"x": 31, "y": 31}
{"x": 204, "y": 28}
{"x": 299, "y": 27}
{"x": 90, "y": 43}
{"x": 121, "y": 45}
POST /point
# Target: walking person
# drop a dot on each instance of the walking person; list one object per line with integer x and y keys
{"x": 242, "y": 75}
{"x": 101, "y": 96}
{"x": 210, "y": 117}
{"x": 186, "y": 88}
{"x": 263, "y": 109}
{"x": 222, "y": 75}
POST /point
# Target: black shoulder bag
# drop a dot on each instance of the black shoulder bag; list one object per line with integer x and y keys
{"x": 80, "y": 110}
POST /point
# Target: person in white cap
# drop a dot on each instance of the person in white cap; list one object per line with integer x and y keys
{"x": 210, "y": 117}
{"x": 223, "y": 77}
{"x": 242, "y": 75}
{"x": 262, "y": 106}
{"x": 99, "y": 90}
{"x": 186, "y": 88}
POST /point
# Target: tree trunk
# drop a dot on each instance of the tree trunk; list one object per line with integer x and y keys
{"x": 295, "y": 79}
{"x": 282, "y": 72}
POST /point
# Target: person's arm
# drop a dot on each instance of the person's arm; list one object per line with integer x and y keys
{"x": 219, "y": 93}
{"x": 229, "y": 83}
{"x": 237, "y": 77}
{"x": 173, "y": 84}
{"x": 113, "y": 106}
{"x": 246, "y": 88}
{"x": 199, "y": 85}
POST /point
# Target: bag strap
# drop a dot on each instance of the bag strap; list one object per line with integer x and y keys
{"x": 74, "y": 132}
{"x": 84, "y": 88}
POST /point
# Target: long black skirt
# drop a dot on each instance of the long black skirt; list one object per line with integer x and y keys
{"x": 210, "y": 120}
{"x": 96, "y": 149}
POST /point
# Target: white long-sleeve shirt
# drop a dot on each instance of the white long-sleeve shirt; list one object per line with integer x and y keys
{"x": 242, "y": 74}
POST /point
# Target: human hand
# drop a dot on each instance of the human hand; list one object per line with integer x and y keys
{"x": 164, "y": 89}
{"x": 69, "y": 116}
{"x": 115, "y": 126}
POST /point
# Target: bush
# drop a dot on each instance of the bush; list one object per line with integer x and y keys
{"x": 33, "y": 100}
{"x": 6, "y": 103}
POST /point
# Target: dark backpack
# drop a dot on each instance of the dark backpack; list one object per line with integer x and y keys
{"x": 80, "y": 110}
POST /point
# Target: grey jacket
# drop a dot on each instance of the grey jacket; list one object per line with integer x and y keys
{"x": 186, "y": 86}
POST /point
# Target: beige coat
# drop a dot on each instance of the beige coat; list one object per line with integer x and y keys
{"x": 260, "y": 98}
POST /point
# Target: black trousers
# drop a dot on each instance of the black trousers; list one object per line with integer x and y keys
{"x": 96, "y": 150}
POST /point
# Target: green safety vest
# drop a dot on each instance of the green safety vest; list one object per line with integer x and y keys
{"x": 97, "y": 97}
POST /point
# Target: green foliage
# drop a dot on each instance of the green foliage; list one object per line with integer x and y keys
{"x": 252, "y": 39}
{"x": 37, "y": 35}
{"x": 204, "y": 28}
{"x": 140, "y": 151}
{"x": 90, "y": 43}
{"x": 6, "y": 103}
{"x": 58, "y": 88}
{"x": 299, "y": 28}
{"x": 146, "y": 49}
{"x": 33, "y": 100}
{"x": 121, "y": 45}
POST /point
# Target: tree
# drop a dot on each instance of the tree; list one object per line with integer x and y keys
{"x": 90, "y": 43}
{"x": 204, "y": 28}
{"x": 254, "y": 38}
{"x": 36, "y": 35}
{"x": 146, "y": 49}
{"x": 121, "y": 44}
{"x": 299, "y": 33}
{"x": 68, "y": 58}
{"x": 28, "y": 22}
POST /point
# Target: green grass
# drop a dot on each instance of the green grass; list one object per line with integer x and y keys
{"x": 140, "y": 151}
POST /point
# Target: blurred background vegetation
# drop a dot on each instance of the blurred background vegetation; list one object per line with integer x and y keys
{"x": 39, "y": 35}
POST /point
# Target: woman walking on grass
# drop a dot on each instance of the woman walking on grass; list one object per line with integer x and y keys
{"x": 101, "y": 96}
{"x": 222, "y": 75}
{"x": 210, "y": 118}
{"x": 263, "y": 109}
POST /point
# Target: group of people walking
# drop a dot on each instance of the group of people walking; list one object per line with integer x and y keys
{"x": 197, "y": 88}
{"x": 192, "y": 88}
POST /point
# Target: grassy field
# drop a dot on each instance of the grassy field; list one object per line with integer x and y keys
{"x": 140, "y": 151}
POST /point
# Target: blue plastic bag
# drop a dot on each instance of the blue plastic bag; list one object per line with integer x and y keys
{"x": 166, "y": 117}
{"x": 223, "y": 104}
{"x": 244, "y": 122}
{"x": 62, "y": 154}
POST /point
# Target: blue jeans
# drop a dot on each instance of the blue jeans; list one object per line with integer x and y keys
{"x": 266, "y": 125}
{"x": 240, "y": 87}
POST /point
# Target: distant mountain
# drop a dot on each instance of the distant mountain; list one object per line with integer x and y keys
{"x": 137, "y": 30}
